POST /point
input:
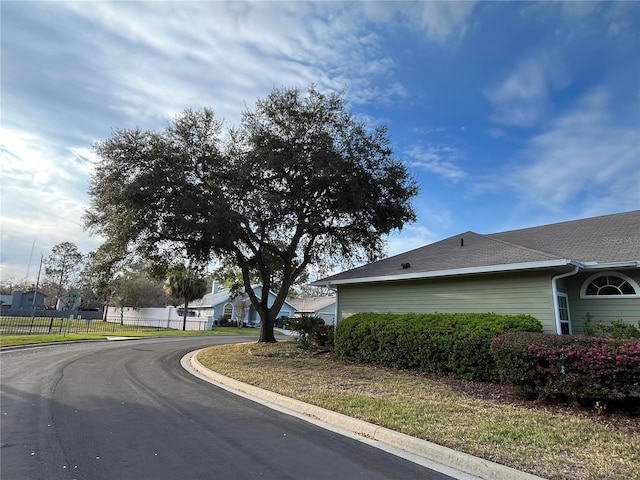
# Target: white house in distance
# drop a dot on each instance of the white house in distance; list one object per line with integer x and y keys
{"x": 201, "y": 315}
{"x": 217, "y": 305}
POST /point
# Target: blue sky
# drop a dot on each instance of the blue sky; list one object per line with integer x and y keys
{"x": 509, "y": 114}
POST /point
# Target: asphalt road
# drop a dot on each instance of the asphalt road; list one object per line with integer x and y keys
{"x": 128, "y": 410}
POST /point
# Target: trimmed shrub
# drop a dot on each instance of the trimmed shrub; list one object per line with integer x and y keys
{"x": 580, "y": 368}
{"x": 448, "y": 344}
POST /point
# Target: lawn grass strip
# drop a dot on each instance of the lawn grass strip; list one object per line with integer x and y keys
{"x": 475, "y": 466}
{"x": 550, "y": 445}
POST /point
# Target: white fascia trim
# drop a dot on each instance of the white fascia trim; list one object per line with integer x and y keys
{"x": 508, "y": 267}
{"x": 609, "y": 265}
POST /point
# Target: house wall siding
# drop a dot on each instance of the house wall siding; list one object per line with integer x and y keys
{"x": 601, "y": 309}
{"x": 506, "y": 294}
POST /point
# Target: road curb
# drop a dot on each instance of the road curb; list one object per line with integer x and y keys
{"x": 49, "y": 344}
{"x": 473, "y": 467}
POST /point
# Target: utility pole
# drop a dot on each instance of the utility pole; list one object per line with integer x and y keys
{"x": 35, "y": 293}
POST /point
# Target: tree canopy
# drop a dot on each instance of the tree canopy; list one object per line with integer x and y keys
{"x": 63, "y": 267}
{"x": 123, "y": 281}
{"x": 299, "y": 181}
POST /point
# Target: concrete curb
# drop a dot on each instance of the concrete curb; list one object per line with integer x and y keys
{"x": 48, "y": 344}
{"x": 452, "y": 460}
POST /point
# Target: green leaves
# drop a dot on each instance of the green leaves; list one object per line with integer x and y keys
{"x": 455, "y": 344}
{"x": 186, "y": 284}
{"x": 299, "y": 181}
{"x": 63, "y": 266}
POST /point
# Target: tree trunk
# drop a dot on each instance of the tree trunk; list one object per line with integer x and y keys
{"x": 266, "y": 328}
{"x": 184, "y": 315}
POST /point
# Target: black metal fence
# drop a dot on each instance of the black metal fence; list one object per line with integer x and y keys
{"x": 50, "y": 313}
{"x": 57, "y": 325}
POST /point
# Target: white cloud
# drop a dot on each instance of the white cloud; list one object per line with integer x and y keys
{"x": 411, "y": 237}
{"x": 121, "y": 64}
{"x": 523, "y": 96}
{"x": 42, "y": 201}
{"x": 443, "y": 19}
{"x": 437, "y": 159}
{"x": 439, "y": 20}
{"x": 584, "y": 158}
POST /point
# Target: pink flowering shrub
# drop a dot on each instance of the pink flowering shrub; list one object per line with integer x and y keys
{"x": 581, "y": 368}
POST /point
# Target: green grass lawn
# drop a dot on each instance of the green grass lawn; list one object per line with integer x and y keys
{"x": 548, "y": 444}
{"x": 15, "y": 340}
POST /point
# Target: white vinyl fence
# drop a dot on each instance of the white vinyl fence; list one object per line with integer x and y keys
{"x": 168, "y": 317}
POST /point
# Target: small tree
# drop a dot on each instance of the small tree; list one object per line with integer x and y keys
{"x": 308, "y": 328}
{"x": 240, "y": 306}
{"x": 120, "y": 282}
{"x": 63, "y": 267}
{"x": 187, "y": 285}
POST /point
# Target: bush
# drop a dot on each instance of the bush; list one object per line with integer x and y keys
{"x": 616, "y": 329}
{"x": 324, "y": 336}
{"x": 449, "y": 344}
{"x": 580, "y": 368}
{"x": 310, "y": 329}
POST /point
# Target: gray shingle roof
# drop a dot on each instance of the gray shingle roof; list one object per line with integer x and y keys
{"x": 311, "y": 304}
{"x": 605, "y": 239}
{"x": 610, "y": 238}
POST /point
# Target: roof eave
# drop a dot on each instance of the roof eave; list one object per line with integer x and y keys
{"x": 509, "y": 267}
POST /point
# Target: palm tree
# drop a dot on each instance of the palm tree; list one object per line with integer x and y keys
{"x": 186, "y": 285}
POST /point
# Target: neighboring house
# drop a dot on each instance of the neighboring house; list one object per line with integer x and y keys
{"x": 5, "y": 301}
{"x": 24, "y": 300}
{"x": 323, "y": 307}
{"x": 557, "y": 273}
{"x": 217, "y": 305}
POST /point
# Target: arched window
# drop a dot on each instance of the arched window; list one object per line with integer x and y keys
{"x": 609, "y": 284}
{"x": 228, "y": 311}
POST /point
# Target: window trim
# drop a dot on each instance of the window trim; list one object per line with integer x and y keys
{"x": 629, "y": 280}
{"x": 568, "y": 320}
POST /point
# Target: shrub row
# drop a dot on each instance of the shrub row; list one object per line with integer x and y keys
{"x": 580, "y": 368}
{"x": 448, "y": 344}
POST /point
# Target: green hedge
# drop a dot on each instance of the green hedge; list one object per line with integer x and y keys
{"x": 448, "y": 344}
{"x": 579, "y": 368}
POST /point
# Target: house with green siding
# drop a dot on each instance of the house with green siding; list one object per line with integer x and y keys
{"x": 557, "y": 273}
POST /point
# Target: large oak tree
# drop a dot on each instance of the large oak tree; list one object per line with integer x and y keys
{"x": 299, "y": 181}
